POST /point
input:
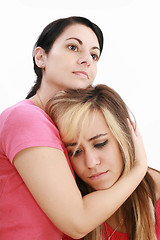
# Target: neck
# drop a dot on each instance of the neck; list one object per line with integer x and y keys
{"x": 115, "y": 220}
{"x": 42, "y": 97}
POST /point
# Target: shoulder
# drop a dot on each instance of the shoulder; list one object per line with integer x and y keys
{"x": 18, "y": 110}
{"x": 24, "y": 113}
{"x": 29, "y": 118}
{"x": 26, "y": 108}
{"x": 24, "y": 125}
{"x": 155, "y": 174}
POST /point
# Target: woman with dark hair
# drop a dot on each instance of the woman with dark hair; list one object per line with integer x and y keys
{"x": 52, "y": 32}
{"x": 39, "y": 196}
{"x": 103, "y": 148}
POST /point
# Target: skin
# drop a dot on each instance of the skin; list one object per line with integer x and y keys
{"x": 98, "y": 160}
{"x": 156, "y": 177}
{"x": 71, "y": 62}
{"x": 45, "y": 170}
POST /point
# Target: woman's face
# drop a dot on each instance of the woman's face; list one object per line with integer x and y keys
{"x": 98, "y": 160}
{"x": 72, "y": 60}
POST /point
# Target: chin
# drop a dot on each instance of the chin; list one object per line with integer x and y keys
{"x": 103, "y": 186}
{"x": 81, "y": 85}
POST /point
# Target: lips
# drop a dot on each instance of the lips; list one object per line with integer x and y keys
{"x": 98, "y": 176}
{"x": 81, "y": 74}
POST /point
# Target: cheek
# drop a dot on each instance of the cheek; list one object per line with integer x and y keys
{"x": 54, "y": 61}
{"x": 120, "y": 163}
{"x": 93, "y": 72}
{"x": 78, "y": 167}
{"x": 117, "y": 159}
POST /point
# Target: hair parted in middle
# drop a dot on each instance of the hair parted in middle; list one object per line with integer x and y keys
{"x": 69, "y": 110}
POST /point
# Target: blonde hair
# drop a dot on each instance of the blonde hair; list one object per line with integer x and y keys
{"x": 70, "y": 110}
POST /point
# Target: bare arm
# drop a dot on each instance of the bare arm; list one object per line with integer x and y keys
{"x": 155, "y": 174}
{"x": 48, "y": 177}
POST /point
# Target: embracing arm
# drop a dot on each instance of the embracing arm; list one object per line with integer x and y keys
{"x": 155, "y": 174}
{"x": 47, "y": 175}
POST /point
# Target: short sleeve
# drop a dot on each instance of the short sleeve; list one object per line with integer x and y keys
{"x": 28, "y": 126}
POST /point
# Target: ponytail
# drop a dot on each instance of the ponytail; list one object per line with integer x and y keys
{"x": 37, "y": 84}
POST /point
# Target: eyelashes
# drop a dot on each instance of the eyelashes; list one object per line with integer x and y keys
{"x": 75, "y": 48}
{"x": 95, "y": 57}
{"x": 77, "y": 152}
{"x": 99, "y": 145}
{"x": 74, "y": 154}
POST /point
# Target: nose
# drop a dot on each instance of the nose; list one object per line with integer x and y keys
{"x": 91, "y": 159}
{"x": 85, "y": 59}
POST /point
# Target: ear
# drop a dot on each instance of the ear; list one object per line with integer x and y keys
{"x": 40, "y": 57}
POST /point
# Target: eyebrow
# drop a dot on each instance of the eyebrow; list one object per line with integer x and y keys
{"x": 80, "y": 42}
{"x": 93, "y": 138}
{"x": 97, "y": 136}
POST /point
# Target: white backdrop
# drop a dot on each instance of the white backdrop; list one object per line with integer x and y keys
{"x": 130, "y": 62}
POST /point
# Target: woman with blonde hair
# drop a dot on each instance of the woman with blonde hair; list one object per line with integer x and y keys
{"x": 95, "y": 125}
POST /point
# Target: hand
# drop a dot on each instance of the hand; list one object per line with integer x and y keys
{"x": 140, "y": 153}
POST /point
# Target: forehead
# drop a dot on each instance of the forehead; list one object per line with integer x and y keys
{"x": 80, "y": 31}
{"x": 95, "y": 124}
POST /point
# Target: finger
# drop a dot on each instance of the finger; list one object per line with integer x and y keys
{"x": 131, "y": 125}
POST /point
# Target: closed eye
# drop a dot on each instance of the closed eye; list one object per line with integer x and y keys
{"x": 77, "y": 152}
{"x": 74, "y": 153}
{"x": 100, "y": 145}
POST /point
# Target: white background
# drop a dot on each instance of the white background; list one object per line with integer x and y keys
{"x": 130, "y": 62}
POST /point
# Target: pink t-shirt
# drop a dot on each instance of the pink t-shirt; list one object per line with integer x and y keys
{"x": 158, "y": 219}
{"x": 22, "y": 126}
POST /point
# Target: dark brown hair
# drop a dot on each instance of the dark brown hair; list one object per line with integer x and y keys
{"x": 51, "y": 32}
